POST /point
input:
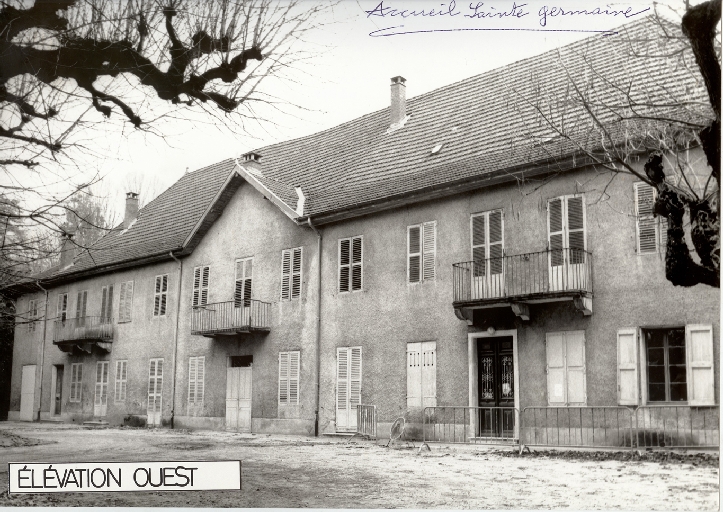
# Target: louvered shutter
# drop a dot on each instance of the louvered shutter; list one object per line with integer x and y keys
{"x": 164, "y": 290}
{"x": 576, "y": 229}
{"x": 575, "y": 368}
{"x": 556, "y": 369}
{"x": 192, "y": 380}
{"x": 286, "y": 274}
{"x": 627, "y": 367}
{"x": 342, "y": 387}
{"x": 283, "y": 377}
{"x": 495, "y": 242}
{"x": 296, "y": 274}
{"x": 414, "y": 254}
{"x": 355, "y": 377}
{"x": 555, "y": 231}
{"x": 429, "y": 374}
{"x": 128, "y": 303}
{"x": 356, "y": 263}
{"x": 200, "y": 375}
{"x": 122, "y": 302}
{"x": 479, "y": 246}
{"x": 294, "y": 360}
{"x": 73, "y": 374}
{"x": 196, "y": 286}
{"x": 430, "y": 249}
{"x": 204, "y": 285}
{"x": 663, "y": 225}
{"x": 414, "y": 374}
{"x": 646, "y": 223}
{"x": 248, "y": 276}
{"x": 103, "y": 304}
{"x": 344, "y": 264}
{"x": 700, "y": 370}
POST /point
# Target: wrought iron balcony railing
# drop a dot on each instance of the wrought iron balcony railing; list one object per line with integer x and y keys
{"x": 87, "y": 328}
{"x": 230, "y": 317}
{"x": 536, "y": 275}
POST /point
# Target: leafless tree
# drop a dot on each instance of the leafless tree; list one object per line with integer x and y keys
{"x": 609, "y": 112}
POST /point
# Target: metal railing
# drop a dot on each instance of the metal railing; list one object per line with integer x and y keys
{"x": 366, "y": 420}
{"x": 677, "y": 426}
{"x": 471, "y": 425}
{"x": 578, "y": 427}
{"x": 230, "y": 317}
{"x": 523, "y": 275}
{"x": 84, "y": 328}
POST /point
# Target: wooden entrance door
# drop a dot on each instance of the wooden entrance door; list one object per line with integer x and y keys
{"x": 27, "y": 393}
{"x": 56, "y": 390}
{"x": 496, "y": 386}
{"x": 238, "y": 398}
{"x": 100, "y": 407}
{"x": 348, "y": 387}
{"x": 155, "y": 392}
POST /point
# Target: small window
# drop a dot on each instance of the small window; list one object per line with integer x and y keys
{"x": 289, "y": 378}
{"x": 160, "y": 296}
{"x": 196, "y": 371}
{"x": 32, "y": 314}
{"x": 125, "y": 307}
{"x": 651, "y": 231}
{"x": 291, "y": 273}
{"x": 666, "y": 365}
{"x": 350, "y": 264}
{"x": 76, "y": 382}
{"x": 121, "y": 380}
{"x": 421, "y": 252}
{"x": 62, "y": 311}
{"x": 200, "y": 285}
{"x": 106, "y": 305}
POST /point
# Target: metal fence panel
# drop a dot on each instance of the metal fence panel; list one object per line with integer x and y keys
{"x": 677, "y": 426}
{"x": 473, "y": 425}
{"x": 366, "y": 420}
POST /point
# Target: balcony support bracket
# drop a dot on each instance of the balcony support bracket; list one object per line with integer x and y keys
{"x": 464, "y": 314}
{"x": 583, "y": 304}
{"x": 522, "y": 310}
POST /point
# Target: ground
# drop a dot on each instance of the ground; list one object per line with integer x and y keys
{"x": 286, "y": 471}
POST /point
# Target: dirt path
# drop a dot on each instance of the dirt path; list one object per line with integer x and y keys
{"x": 285, "y": 471}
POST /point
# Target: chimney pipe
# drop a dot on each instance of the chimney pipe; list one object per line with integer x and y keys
{"x": 251, "y": 162}
{"x": 399, "y": 101}
{"x": 131, "y": 209}
{"x": 67, "y": 250}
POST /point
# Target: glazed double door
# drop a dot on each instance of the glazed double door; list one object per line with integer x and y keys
{"x": 496, "y": 387}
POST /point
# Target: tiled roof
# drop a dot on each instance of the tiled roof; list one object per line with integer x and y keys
{"x": 489, "y": 122}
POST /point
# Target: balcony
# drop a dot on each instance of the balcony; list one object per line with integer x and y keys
{"x": 75, "y": 335}
{"x": 230, "y": 318}
{"x": 522, "y": 279}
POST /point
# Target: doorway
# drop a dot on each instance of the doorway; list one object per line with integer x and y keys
{"x": 238, "y": 393}
{"x": 56, "y": 390}
{"x": 100, "y": 405}
{"x": 155, "y": 392}
{"x": 496, "y": 385}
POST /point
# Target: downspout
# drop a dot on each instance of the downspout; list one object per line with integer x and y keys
{"x": 318, "y": 327}
{"x": 42, "y": 348}
{"x": 175, "y": 338}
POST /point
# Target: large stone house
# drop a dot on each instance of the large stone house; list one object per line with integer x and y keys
{"x": 444, "y": 251}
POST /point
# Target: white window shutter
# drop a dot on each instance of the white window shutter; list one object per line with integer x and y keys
{"x": 286, "y": 274}
{"x": 342, "y": 387}
{"x": 196, "y": 285}
{"x": 575, "y": 368}
{"x": 429, "y": 374}
{"x": 699, "y": 352}
{"x": 294, "y": 377}
{"x": 429, "y": 247}
{"x": 414, "y": 375}
{"x": 128, "y": 305}
{"x": 192, "y": 380}
{"x": 356, "y": 263}
{"x": 646, "y": 224}
{"x": 627, "y": 367}
{"x": 414, "y": 254}
{"x": 283, "y": 377}
{"x": 556, "y": 369}
{"x": 355, "y": 378}
{"x": 496, "y": 245}
{"x": 296, "y": 274}
{"x": 200, "y": 375}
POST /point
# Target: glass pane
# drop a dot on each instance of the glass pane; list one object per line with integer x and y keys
{"x": 678, "y": 392}
{"x": 676, "y": 337}
{"x": 655, "y": 338}
{"x": 656, "y": 356}
{"x": 656, "y": 374}
{"x": 676, "y": 355}
{"x": 677, "y": 374}
{"x": 656, "y": 392}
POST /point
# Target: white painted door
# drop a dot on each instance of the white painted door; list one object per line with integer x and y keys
{"x": 567, "y": 243}
{"x": 100, "y": 406}
{"x": 238, "y": 399}
{"x": 155, "y": 388}
{"x": 27, "y": 393}
{"x": 488, "y": 276}
{"x": 348, "y": 387}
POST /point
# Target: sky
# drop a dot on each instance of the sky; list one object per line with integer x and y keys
{"x": 350, "y": 74}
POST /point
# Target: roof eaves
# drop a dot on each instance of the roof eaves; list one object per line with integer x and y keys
{"x": 266, "y": 192}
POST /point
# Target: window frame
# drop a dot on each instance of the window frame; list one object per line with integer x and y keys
{"x": 76, "y": 383}
{"x": 106, "y": 304}
{"x": 666, "y": 365}
{"x": 62, "y": 307}
{"x": 193, "y": 378}
{"x": 161, "y": 295}
{"x": 288, "y": 277}
{"x": 243, "y": 301}
{"x": 284, "y": 381}
{"x": 422, "y": 254}
{"x": 351, "y": 264}
{"x": 125, "y": 302}
{"x": 121, "y": 381}
{"x": 660, "y": 224}
{"x": 199, "y": 299}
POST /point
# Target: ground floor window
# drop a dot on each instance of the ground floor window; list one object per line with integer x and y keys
{"x": 196, "y": 371}
{"x": 76, "y": 381}
{"x": 566, "y": 368}
{"x": 121, "y": 380}
{"x": 289, "y": 377}
{"x": 422, "y": 374}
{"x": 665, "y": 353}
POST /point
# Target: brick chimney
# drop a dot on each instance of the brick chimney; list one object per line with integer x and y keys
{"x": 399, "y": 101}
{"x": 251, "y": 161}
{"x": 131, "y": 209}
{"x": 67, "y": 250}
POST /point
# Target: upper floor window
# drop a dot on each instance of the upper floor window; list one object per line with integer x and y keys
{"x": 126, "y": 302}
{"x": 200, "y": 285}
{"x": 242, "y": 290}
{"x": 350, "y": 264}
{"x": 160, "y": 296}
{"x": 291, "y": 273}
{"x": 651, "y": 232}
{"x": 566, "y": 226}
{"x": 421, "y": 252}
{"x": 80, "y": 307}
{"x": 32, "y": 314}
{"x": 62, "y": 311}
{"x": 106, "y": 304}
